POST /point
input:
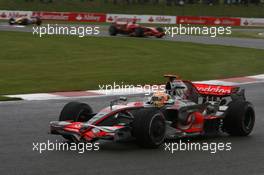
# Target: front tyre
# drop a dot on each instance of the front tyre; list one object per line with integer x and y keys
{"x": 240, "y": 118}
{"x": 11, "y": 21}
{"x": 139, "y": 32}
{"x": 112, "y": 30}
{"x": 161, "y": 31}
{"x": 38, "y": 21}
{"x": 75, "y": 112}
{"x": 149, "y": 128}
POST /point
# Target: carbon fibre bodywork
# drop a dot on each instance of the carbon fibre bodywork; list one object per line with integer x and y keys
{"x": 25, "y": 21}
{"x": 201, "y": 112}
{"x": 136, "y": 30}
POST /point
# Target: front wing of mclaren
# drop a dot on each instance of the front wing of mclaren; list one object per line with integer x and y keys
{"x": 88, "y": 132}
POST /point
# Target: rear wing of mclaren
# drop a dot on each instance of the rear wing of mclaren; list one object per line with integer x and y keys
{"x": 215, "y": 90}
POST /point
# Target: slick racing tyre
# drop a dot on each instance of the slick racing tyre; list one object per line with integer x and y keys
{"x": 11, "y": 21}
{"x": 161, "y": 31}
{"x": 139, "y": 32}
{"x": 38, "y": 21}
{"x": 76, "y": 112}
{"x": 113, "y": 30}
{"x": 240, "y": 118}
{"x": 149, "y": 128}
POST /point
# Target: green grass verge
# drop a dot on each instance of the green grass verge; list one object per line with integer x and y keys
{"x": 162, "y": 9}
{"x": 31, "y": 64}
{"x": 4, "y": 98}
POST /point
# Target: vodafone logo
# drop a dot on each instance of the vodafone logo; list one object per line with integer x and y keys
{"x": 214, "y": 89}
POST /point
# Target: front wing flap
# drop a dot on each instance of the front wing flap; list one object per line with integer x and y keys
{"x": 87, "y": 131}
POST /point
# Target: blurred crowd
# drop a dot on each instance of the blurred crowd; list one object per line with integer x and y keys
{"x": 174, "y": 2}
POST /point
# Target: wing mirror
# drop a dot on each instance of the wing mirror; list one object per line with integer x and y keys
{"x": 112, "y": 103}
{"x": 123, "y": 98}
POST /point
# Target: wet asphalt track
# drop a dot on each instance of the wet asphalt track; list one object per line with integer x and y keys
{"x": 226, "y": 41}
{"x": 25, "y": 122}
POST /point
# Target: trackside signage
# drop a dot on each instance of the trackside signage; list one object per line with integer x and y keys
{"x": 148, "y": 19}
{"x": 155, "y": 19}
{"x": 221, "y": 21}
{"x": 72, "y": 16}
{"x": 63, "y": 16}
{"x": 6, "y": 14}
{"x": 252, "y": 22}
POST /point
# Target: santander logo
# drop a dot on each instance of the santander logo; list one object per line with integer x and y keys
{"x": 79, "y": 17}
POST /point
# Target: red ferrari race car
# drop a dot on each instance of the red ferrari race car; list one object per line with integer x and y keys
{"x": 133, "y": 29}
{"x": 25, "y": 21}
{"x": 185, "y": 109}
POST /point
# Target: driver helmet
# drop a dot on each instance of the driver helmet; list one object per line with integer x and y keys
{"x": 179, "y": 88}
{"x": 134, "y": 21}
{"x": 159, "y": 99}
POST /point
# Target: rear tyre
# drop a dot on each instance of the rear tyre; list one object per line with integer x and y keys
{"x": 240, "y": 118}
{"x": 76, "y": 112}
{"x": 139, "y": 32}
{"x": 113, "y": 30}
{"x": 149, "y": 128}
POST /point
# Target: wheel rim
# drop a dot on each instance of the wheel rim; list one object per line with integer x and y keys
{"x": 82, "y": 115}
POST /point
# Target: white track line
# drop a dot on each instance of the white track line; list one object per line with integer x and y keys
{"x": 133, "y": 91}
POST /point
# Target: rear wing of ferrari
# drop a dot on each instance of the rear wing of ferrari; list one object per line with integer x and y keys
{"x": 215, "y": 90}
